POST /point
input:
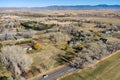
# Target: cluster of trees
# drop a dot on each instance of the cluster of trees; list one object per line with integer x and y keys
{"x": 94, "y": 52}
{"x": 59, "y": 37}
{"x": 99, "y": 25}
{"x": 79, "y": 37}
{"x": 108, "y": 26}
{"x": 6, "y": 36}
{"x": 114, "y": 27}
{"x": 68, "y": 29}
{"x": 15, "y": 60}
{"x": 27, "y": 34}
{"x": 85, "y": 54}
{"x": 10, "y": 35}
{"x": 37, "y": 26}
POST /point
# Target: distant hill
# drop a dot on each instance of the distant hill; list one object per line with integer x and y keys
{"x": 75, "y": 7}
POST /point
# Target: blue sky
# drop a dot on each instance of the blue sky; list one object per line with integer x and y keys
{"x": 41, "y": 3}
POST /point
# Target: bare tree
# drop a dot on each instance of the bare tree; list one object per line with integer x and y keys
{"x": 114, "y": 46}
{"x": 28, "y": 34}
{"x": 59, "y": 37}
{"x": 15, "y": 59}
{"x": 94, "y": 52}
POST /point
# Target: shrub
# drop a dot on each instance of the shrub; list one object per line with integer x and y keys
{"x": 36, "y": 46}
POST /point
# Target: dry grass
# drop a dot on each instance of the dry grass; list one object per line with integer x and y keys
{"x": 111, "y": 39}
{"x": 46, "y": 56}
{"x": 90, "y": 26}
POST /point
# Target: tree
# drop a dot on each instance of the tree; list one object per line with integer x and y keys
{"x": 15, "y": 59}
{"x": 36, "y": 46}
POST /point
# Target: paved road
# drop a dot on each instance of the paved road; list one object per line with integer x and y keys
{"x": 58, "y": 73}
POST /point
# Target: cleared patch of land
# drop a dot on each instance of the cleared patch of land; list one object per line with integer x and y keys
{"x": 105, "y": 70}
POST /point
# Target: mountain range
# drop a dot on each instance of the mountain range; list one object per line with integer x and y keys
{"x": 77, "y": 7}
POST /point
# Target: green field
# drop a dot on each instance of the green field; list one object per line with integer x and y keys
{"x": 108, "y": 69}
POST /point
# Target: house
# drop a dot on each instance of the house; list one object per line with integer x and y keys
{"x": 106, "y": 31}
{"x": 26, "y": 47}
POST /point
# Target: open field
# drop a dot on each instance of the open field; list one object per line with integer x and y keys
{"x": 46, "y": 57}
{"x": 105, "y": 70}
{"x": 107, "y": 20}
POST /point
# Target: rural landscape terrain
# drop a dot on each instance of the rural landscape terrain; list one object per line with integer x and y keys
{"x": 60, "y": 43}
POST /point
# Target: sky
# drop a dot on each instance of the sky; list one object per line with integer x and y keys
{"x": 43, "y": 3}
